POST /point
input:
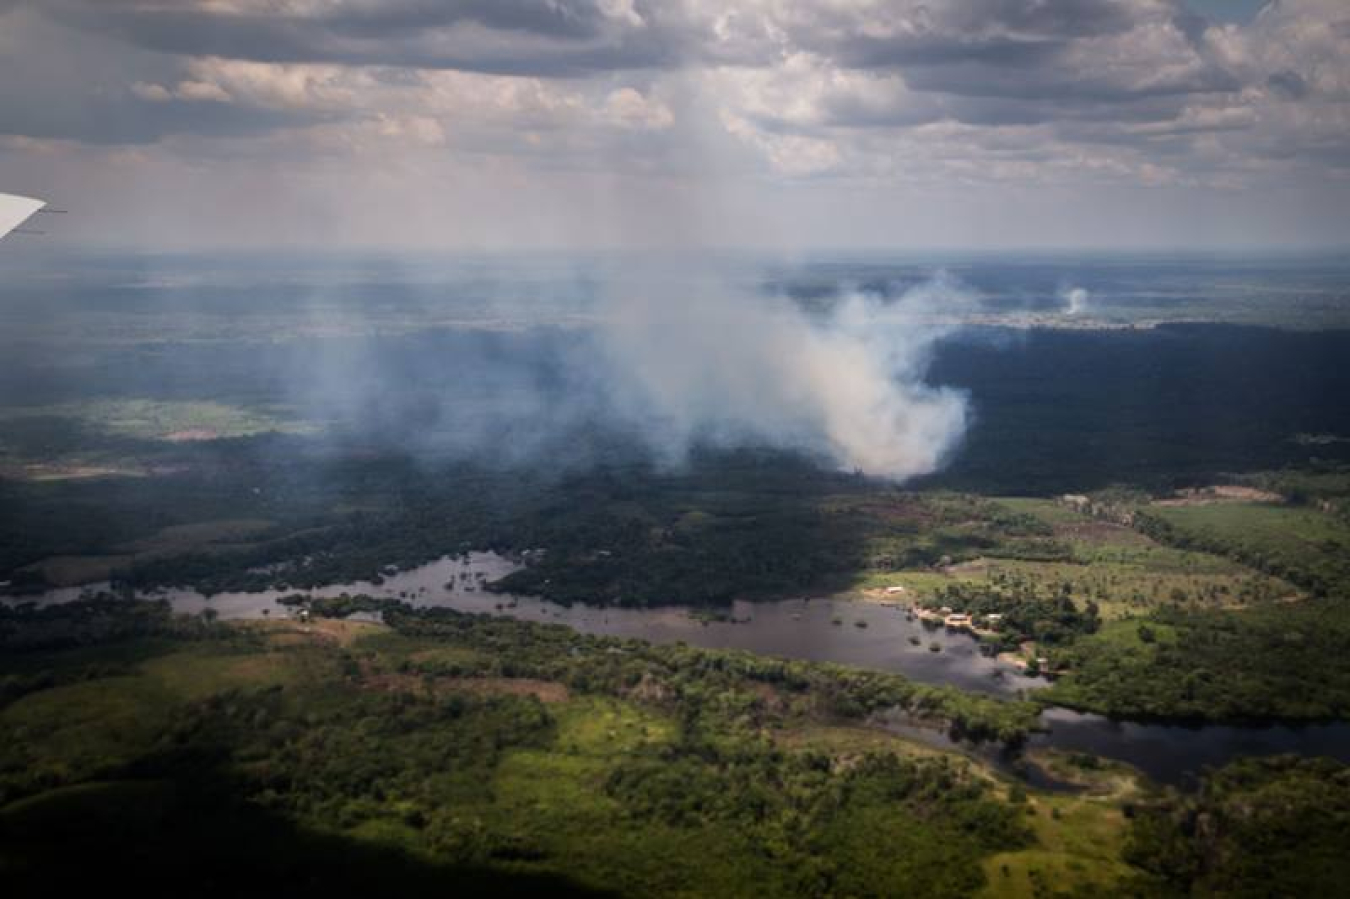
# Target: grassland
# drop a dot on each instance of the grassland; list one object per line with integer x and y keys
{"x": 1077, "y": 849}
{"x": 1120, "y": 569}
{"x": 1272, "y": 649}
{"x": 1301, "y": 543}
{"x": 1126, "y": 572}
{"x": 171, "y": 420}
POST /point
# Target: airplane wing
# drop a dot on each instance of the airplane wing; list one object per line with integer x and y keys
{"x": 14, "y": 211}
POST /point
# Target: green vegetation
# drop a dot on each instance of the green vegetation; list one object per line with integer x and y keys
{"x": 609, "y": 664}
{"x": 1305, "y": 546}
{"x": 734, "y": 525}
{"x": 1077, "y": 850}
{"x": 1258, "y": 827}
{"x": 463, "y": 747}
{"x": 1268, "y": 659}
{"x": 1124, "y": 571}
{"x": 1325, "y": 486}
{"x": 447, "y": 748}
{"x": 1184, "y": 628}
{"x": 1282, "y": 661}
{"x": 1023, "y": 614}
{"x": 146, "y": 419}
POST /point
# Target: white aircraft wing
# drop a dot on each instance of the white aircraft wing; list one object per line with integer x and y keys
{"x": 14, "y": 211}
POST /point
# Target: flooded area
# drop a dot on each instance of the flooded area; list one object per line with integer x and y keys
{"x": 869, "y": 635}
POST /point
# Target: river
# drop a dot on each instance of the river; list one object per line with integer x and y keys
{"x": 869, "y": 635}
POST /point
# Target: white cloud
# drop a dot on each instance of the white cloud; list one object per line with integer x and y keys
{"x": 202, "y": 91}
{"x": 154, "y": 93}
{"x": 976, "y": 98}
{"x": 628, "y": 108}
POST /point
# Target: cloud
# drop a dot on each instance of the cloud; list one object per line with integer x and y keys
{"x": 630, "y": 109}
{"x": 732, "y": 101}
{"x": 114, "y": 96}
{"x": 522, "y": 37}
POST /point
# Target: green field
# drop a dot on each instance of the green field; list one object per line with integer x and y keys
{"x": 147, "y": 419}
{"x": 1300, "y": 543}
{"x": 1123, "y": 571}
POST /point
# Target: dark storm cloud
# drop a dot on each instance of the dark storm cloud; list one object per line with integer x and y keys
{"x": 1055, "y": 84}
{"x": 1061, "y": 18}
{"x": 1288, "y": 84}
{"x": 1101, "y": 66}
{"x": 516, "y": 37}
{"x": 130, "y": 120}
{"x": 1013, "y": 49}
{"x": 94, "y": 102}
{"x": 867, "y": 52}
{"x": 995, "y": 33}
{"x": 1139, "y": 74}
{"x": 922, "y": 108}
{"x": 387, "y": 20}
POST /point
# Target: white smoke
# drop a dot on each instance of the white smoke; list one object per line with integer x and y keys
{"x": 674, "y": 357}
{"x": 702, "y": 363}
{"x": 1075, "y": 300}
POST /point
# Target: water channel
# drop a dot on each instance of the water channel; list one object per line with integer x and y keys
{"x": 871, "y": 635}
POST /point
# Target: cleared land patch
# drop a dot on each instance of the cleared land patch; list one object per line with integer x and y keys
{"x": 1120, "y": 569}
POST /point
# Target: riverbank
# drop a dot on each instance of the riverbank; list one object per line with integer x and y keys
{"x": 1166, "y": 752}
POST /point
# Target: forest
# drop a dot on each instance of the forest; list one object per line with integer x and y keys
{"x": 523, "y": 758}
{"x": 1159, "y": 581}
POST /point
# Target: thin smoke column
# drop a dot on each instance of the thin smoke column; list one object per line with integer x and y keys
{"x": 1075, "y": 300}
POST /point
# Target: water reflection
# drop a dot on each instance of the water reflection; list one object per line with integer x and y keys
{"x": 883, "y": 637}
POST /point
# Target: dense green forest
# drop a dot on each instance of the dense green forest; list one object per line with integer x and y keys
{"x": 448, "y": 751}
{"x": 439, "y": 748}
{"x": 462, "y": 749}
{"x": 1147, "y": 620}
{"x": 1259, "y": 827}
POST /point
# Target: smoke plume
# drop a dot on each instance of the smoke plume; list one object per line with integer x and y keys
{"x": 654, "y": 355}
{"x": 1075, "y": 300}
{"x": 699, "y": 363}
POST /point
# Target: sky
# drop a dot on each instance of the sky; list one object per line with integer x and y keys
{"x": 638, "y": 124}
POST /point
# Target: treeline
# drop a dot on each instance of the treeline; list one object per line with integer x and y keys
{"x": 27, "y": 627}
{"x": 1284, "y": 661}
{"x": 30, "y": 633}
{"x": 1320, "y": 573}
{"x": 732, "y": 525}
{"x": 1258, "y": 827}
{"x": 698, "y": 677}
